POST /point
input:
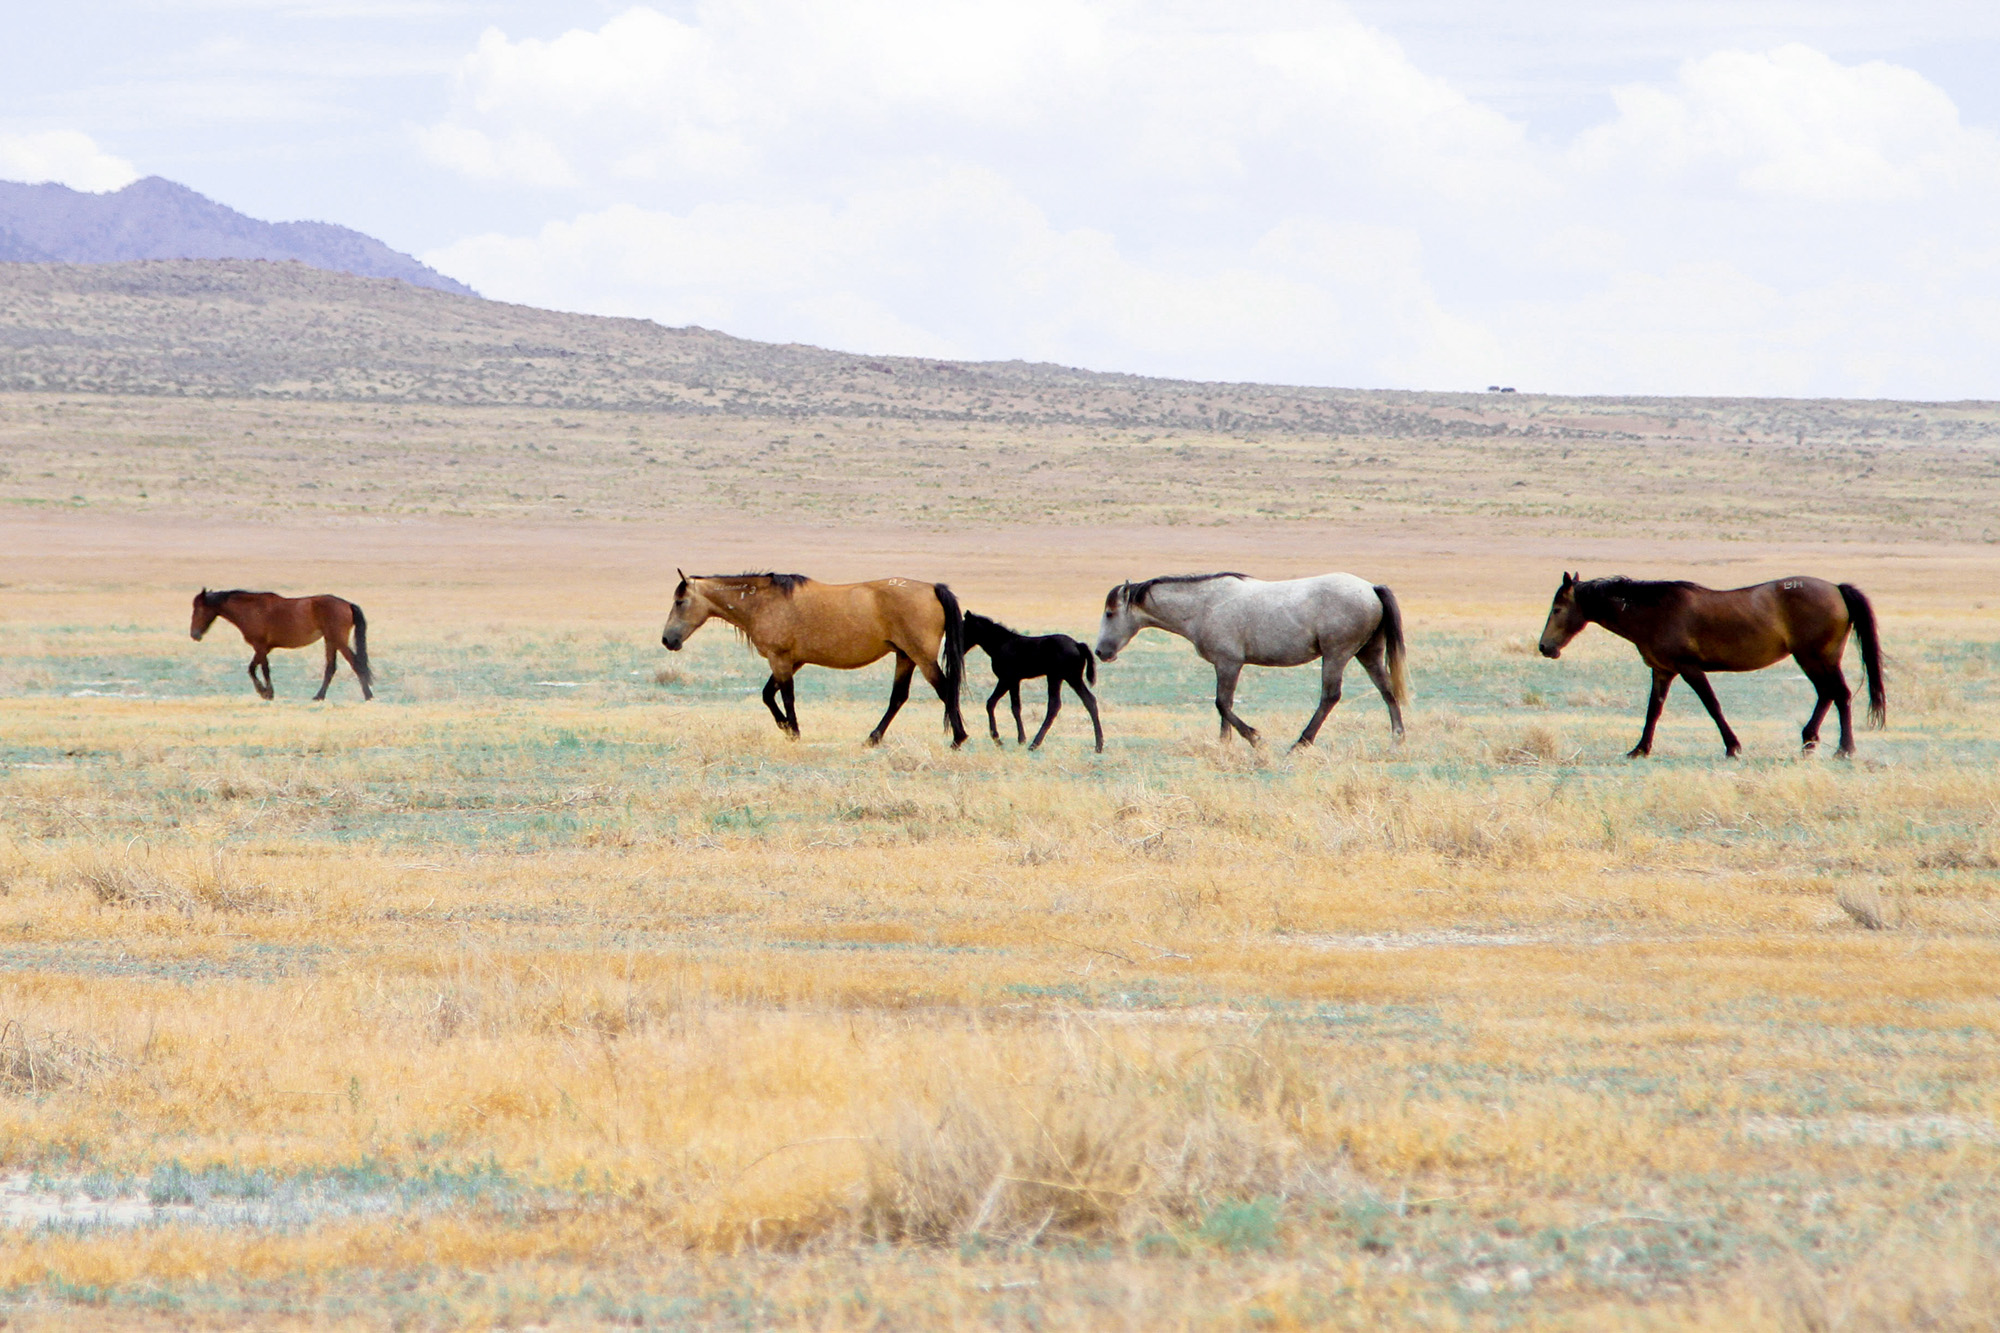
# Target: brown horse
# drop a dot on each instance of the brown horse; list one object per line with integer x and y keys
{"x": 269, "y": 621}
{"x": 792, "y": 622}
{"x": 1686, "y": 630}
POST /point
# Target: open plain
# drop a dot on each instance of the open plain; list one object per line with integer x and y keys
{"x": 556, "y": 989}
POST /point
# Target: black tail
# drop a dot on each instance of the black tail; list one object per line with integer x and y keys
{"x": 1862, "y": 615}
{"x": 361, "y": 667}
{"x": 1090, "y": 665}
{"x": 1390, "y": 631}
{"x": 954, "y": 656}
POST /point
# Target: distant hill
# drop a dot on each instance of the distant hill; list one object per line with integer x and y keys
{"x": 243, "y": 329}
{"x": 157, "y": 219}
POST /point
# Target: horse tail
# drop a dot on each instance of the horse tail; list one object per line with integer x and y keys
{"x": 1862, "y": 616}
{"x": 1090, "y": 665}
{"x": 361, "y": 667}
{"x": 954, "y": 642}
{"x": 1390, "y": 632}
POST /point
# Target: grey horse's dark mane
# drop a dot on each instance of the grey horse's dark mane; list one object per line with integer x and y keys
{"x": 1135, "y": 593}
{"x": 784, "y": 583}
{"x": 1630, "y": 592}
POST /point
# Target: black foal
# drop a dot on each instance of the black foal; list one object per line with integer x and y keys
{"x": 1019, "y": 657}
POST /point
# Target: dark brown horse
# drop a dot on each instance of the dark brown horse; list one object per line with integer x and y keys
{"x": 792, "y": 622}
{"x": 269, "y": 621}
{"x": 1686, "y": 630}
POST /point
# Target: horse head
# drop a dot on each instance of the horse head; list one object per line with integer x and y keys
{"x": 204, "y": 615}
{"x": 1566, "y": 618}
{"x": 692, "y": 608}
{"x": 1124, "y": 616}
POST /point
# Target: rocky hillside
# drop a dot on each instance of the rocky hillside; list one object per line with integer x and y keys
{"x": 157, "y": 219}
{"x": 243, "y": 329}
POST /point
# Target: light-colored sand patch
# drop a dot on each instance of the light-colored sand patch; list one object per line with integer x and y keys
{"x": 1875, "y": 1130}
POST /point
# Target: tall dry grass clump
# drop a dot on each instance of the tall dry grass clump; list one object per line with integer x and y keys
{"x": 1110, "y": 1138}
{"x": 179, "y": 880}
{"x": 33, "y": 1066}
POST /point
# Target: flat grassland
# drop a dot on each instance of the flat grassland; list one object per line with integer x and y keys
{"x": 556, "y": 989}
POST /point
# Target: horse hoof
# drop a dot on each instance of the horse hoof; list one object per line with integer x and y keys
{"x": 1638, "y": 752}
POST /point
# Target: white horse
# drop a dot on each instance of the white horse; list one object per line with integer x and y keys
{"x": 1235, "y": 621}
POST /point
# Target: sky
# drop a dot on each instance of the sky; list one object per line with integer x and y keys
{"x": 1762, "y": 197}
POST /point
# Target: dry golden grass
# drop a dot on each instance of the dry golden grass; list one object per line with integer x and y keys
{"x": 556, "y": 989}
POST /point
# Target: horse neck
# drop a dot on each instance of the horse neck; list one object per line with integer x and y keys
{"x": 743, "y": 605}
{"x": 1174, "y": 607}
{"x": 1601, "y": 608}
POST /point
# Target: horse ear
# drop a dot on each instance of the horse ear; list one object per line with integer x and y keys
{"x": 683, "y": 573}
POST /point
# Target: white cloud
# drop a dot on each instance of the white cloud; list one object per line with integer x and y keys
{"x": 66, "y": 157}
{"x": 1793, "y": 122}
{"x": 1276, "y": 191}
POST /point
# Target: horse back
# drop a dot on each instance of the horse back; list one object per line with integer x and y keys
{"x": 854, "y": 624}
{"x": 1745, "y": 629}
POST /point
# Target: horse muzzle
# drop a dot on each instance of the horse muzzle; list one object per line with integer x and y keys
{"x": 1103, "y": 656}
{"x": 1551, "y": 653}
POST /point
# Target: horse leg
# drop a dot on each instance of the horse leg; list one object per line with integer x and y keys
{"x": 1662, "y": 681}
{"x": 1055, "y": 706}
{"x": 771, "y": 702}
{"x": 359, "y": 674}
{"x": 899, "y": 694}
{"x": 332, "y": 660}
{"x": 263, "y": 687}
{"x": 1014, "y": 701}
{"x": 993, "y": 702}
{"x": 935, "y": 675}
{"x": 1698, "y": 682}
{"x": 1331, "y": 669}
{"x": 1090, "y": 703}
{"x": 1831, "y": 682}
{"x": 786, "y": 693}
{"x": 1226, "y": 673}
{"x": 1371, "y": 662}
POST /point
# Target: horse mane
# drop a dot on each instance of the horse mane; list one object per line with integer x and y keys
{"x": 216, "y": 599}
{"x": 784, "y": 583}
{"x": 1136, "y": 592}
{"x": 1630, "y": 592}
{"x": 971, "y": 616}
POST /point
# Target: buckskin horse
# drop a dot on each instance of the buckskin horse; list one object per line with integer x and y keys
{"x": 1686, "y": 630}
{"x": 793, "y": 621}
{"x": 1235, "y": 621}
{"x": 1017, "y": 657}
{"x": 269, "y": 621}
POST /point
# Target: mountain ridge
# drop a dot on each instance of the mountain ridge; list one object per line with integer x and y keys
{"x": 158, "y": 219}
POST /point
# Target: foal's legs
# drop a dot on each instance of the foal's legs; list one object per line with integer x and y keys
{"x": 899, "y": 694}
{"x": 1698, "y": 682}
{"x": 1831, "y": 682}
{"x": 992, "y": 702}
{"x": 1371, "y": 661}
{"x": 1331, "y": 668}
{"x": 1662, "y": 681}
{"x": 1055, "y": 706}
{"x": 1226, "y": 673}
{"x": 1014, "y": 699}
